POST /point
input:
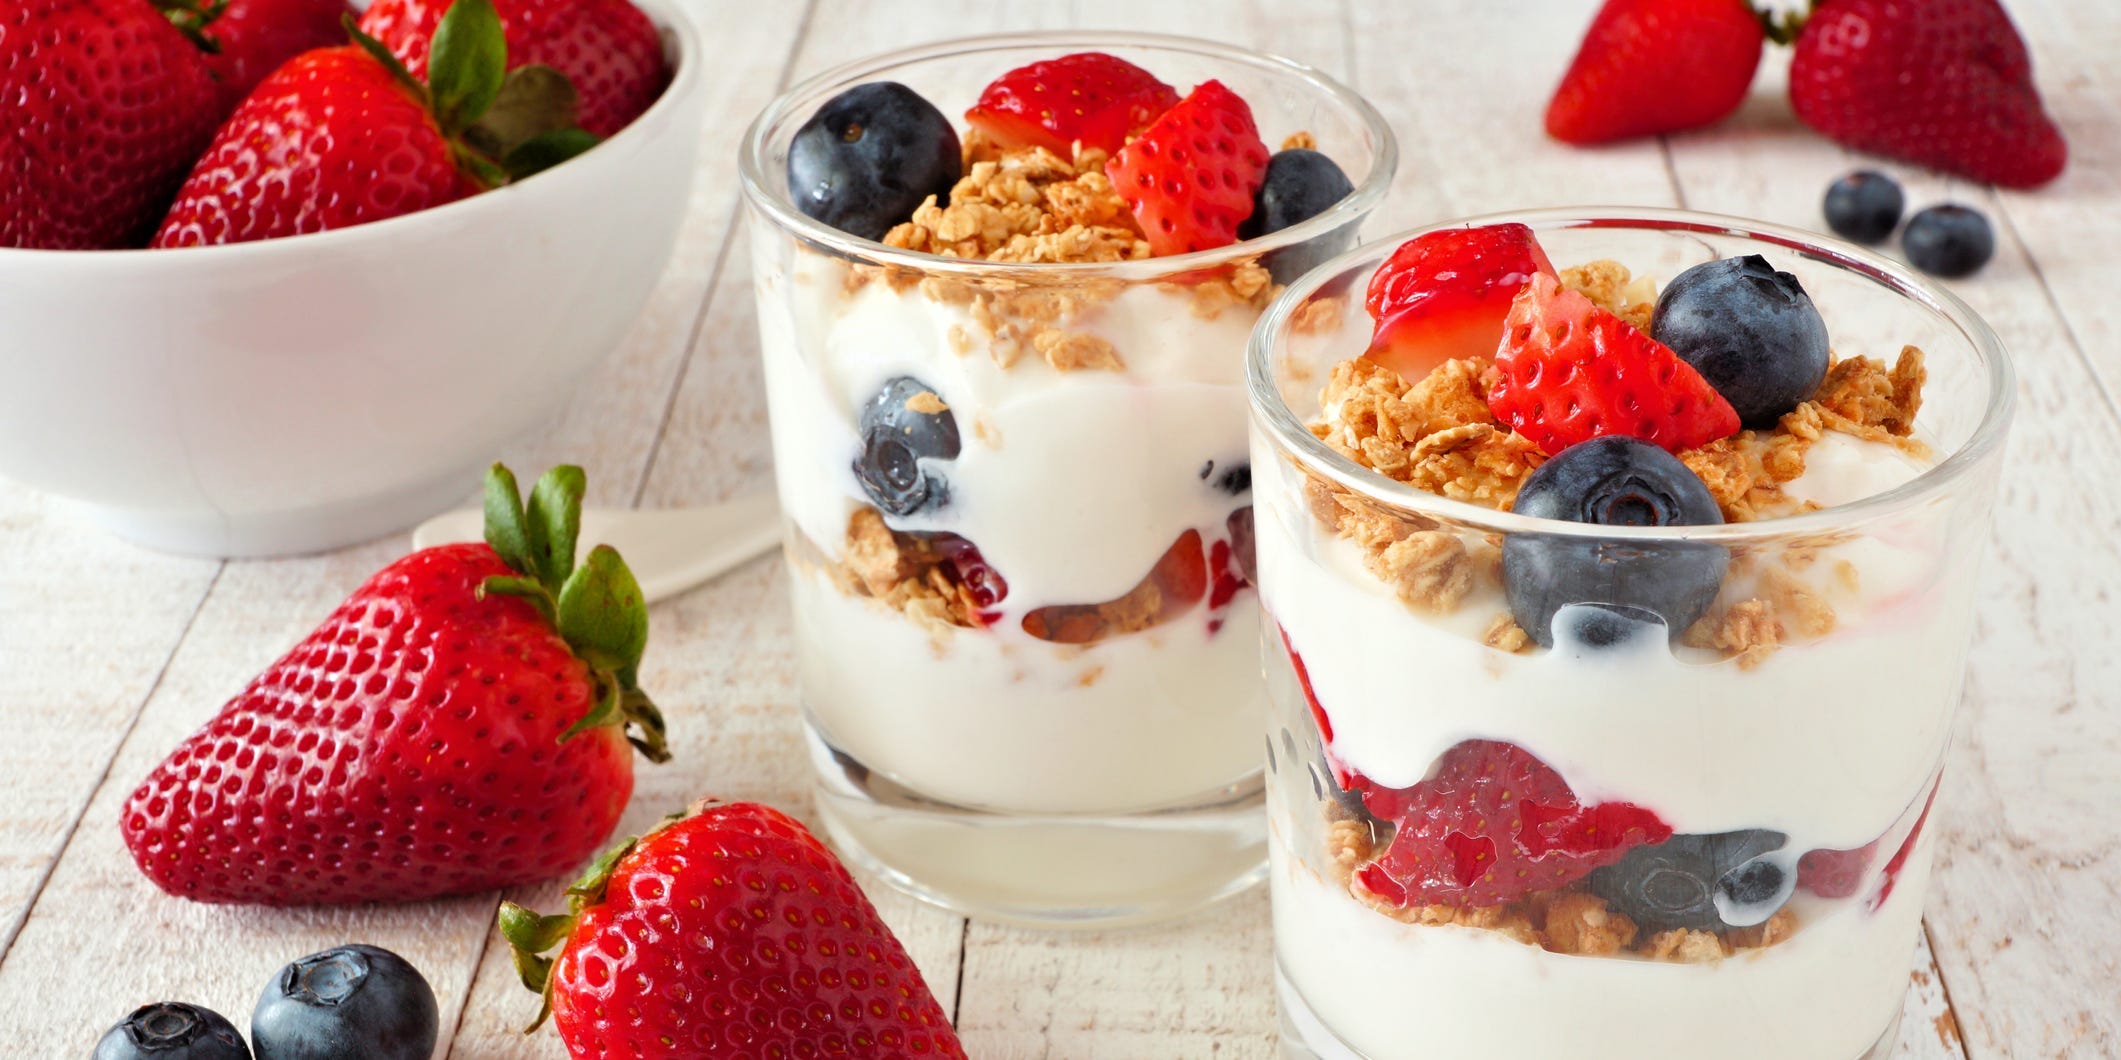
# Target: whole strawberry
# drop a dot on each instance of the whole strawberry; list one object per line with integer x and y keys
{"x": 253, "y": 37}
{"x": 1943, "y": 83}
{"x": 1657, "y": 66}
{"x": 607, "y": 48}
{"x": 727, "y": 931}
{"x": 460, "y": 723}
{"x": 344, "y": 136}
{"x": 105, "y": 106}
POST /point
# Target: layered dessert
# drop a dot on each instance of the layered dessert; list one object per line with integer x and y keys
{"x": 1647, "y": 778}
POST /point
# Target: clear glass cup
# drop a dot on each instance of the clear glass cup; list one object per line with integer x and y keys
{"x": 1814, "y": 762}
{"x": 1032, "y": 693}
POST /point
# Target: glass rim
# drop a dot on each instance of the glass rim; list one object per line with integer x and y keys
{"x": 1272, "y": 414}
{"x": 766, "y": 189}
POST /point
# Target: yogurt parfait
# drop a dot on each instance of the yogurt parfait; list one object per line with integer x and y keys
{"x": 1004, "y": 291}
{"x": 1618, "y": 575}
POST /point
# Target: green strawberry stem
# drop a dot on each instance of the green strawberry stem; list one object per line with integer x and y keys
{"x": 191, "y": 19}
{"x": 1783, "y": 26}
{"x": 597, "y": 607}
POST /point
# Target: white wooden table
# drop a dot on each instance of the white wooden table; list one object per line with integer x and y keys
{"x": 109, "y": 654}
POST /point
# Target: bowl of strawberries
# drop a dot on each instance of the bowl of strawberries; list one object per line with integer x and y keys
{"x": 278, "y": 276}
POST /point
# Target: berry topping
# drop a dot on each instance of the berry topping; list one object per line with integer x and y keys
{"x": 902, "y": 426}
{"x": 1656, "y": 66}
{"x": 1612, "y": 481}
{"x": 1190, "y": 176}
{"x": 1750, "y": 331}
{"x": 1948, "y": 240}
{"x": 172, "y": 1031}
{"x": 347, "y": 1003}
{"x": 1698, "y": 882}
{"x": 1568, "y": 371}
{"x": 969, "y": 569}
{"x": 1444, "y": 295}
{"x": 1864, "y": 206}
{"x": 869, "y": 156}
{"x": 1089, "y": 98}
{"x": 1491, "y": 823}
{"x": 1300, "y": 184}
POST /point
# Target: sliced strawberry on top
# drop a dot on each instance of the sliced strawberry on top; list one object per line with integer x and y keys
{"x": 1443, "y": 295}
{"x": 1191, "y": 175}
{"x": 1089, "y": 96}
{"x": 1491, "y": 823}
{"x": 1569, "y": 371}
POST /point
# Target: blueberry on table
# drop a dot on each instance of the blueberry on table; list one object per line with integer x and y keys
{"x": 868, "y": 157}
{"x": 1612, "y": 481}
{"x": 1948, "y": 240}
{"x": 1698, "y": 882}
{"x": 172, "y": 1030}
{"x": 1300, "y": 184}
{"x": 1750, "y": 331}
{"x": 346, "y": 1003}
{"x": 903, "y": 424}
{"x": 1864, "y": 206}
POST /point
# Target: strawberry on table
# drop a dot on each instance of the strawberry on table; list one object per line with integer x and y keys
{"x": 345, "y": 136}
{"x": 466, "y": 720}
{"x": 1191, "y": 175}
{"x": 607, "y": 48}
{"x": 1568, "y": 371}
{"x": 727, "y": 931}
{"x": 1656, "y": 66}
{"x": 1443, "y": 295}
{"x": 1088, "y": 97}
{"x": 253, "y": 37}
{"x": 1944, "y": 83}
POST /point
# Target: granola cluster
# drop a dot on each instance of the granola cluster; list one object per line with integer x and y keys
{"x": 905, "y": 572}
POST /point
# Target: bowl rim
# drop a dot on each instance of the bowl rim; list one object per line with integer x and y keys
{"x": 673, "y": 17}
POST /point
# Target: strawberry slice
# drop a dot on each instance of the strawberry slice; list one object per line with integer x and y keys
{"x": 1569, "y": 371}
{"x": 1190, "y": 176}
{"x": 1090, "y": 97}
{"x": 1443, "y": 295}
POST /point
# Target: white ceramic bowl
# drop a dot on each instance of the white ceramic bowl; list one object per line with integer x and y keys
{"x": 299, "y": 394}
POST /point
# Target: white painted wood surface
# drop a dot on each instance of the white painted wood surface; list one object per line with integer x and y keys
{"x": 108, "y": 654}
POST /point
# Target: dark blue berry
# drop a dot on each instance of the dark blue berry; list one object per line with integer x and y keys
{"x": 1698, "y": 882}
{"x": 896, "y": 441}
{"x": 868, "y": 157}
{"x": 1864, "y": 206}
{"x": 346, "y": 1003}
{"x": 1234, "y": 479}
{"x": 1949, "y": 240}
{"x": 1612, "y": 481}
{"x": 172, "y": 1031}
{"x": 1300, "y": 185}
{"x": 1750, "y": 331}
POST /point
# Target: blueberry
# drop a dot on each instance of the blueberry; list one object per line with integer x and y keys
{"x": 1612, "y": 481}
{"x": 1300, "y": 184}
{"x": 896, "y": 439}
{"x": 1949, "y": 240}
{"x": 172, "y": 1031}
{"x": 868, "y": 157}
{"x": 1864, "y": 206}
{"x": 1235, "y": 479}
{"x": 1750, "y": 331}
{"x": 346, "y": 1003}
{"x": 1698, "y": 882}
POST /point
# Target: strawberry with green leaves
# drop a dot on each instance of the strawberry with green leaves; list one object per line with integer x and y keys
{"x": 465, "y": 721}
{"x": 345, "y": 136}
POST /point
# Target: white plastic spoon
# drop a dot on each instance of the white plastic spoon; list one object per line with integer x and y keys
{"x": 669, "y": 550}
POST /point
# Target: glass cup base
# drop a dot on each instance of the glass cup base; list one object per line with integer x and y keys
{"x": 1043, "y": 871}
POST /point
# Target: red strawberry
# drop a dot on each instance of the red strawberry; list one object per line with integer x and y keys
{"x": 1088, "y": 97}
{"x": 1944, "y": 83}
{"x": 343, "y": 136}
{"x": 1491, "y": 823}
{"x": 607, "y": 48}
{"x": 1834, "y": 873}
{"x": 1190, "y": 176}
{"x": 1656, "y": 66}
{"x": 729, "y": 931}
{"x": 1898, "y": 861}
{"x": 254, "y": 37}
{"x": 106, "y": 103}
{"x": 1443, "y": 295}
{"x": 1569, "y": 371}
{"x": 459, "y": 724}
